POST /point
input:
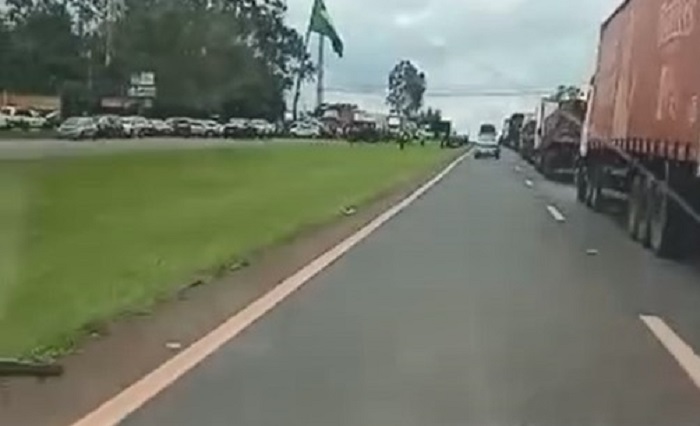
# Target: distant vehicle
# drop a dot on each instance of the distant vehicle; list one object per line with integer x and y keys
{"x": 511, "y": 131}
{"x": 4, "y": 122}
{"x": 238, "y": 128}
{"x": 181, "y": 127}
{"x": 198, "y": 128}
{"x": 212, "y": 129}
{"x": 302, "y": 129}
{"x": 23, "y": 118}
{"x": 486, "y": 145}
{"x": 78, "y": 128}
{"x": 110, "y": 126}
{"x": 161, "y": 128}
{"x": 558, "y": 136}
{"x": 488, "y": 129}
{"x": 137, "y": 126}
{"x": 527, "y": 138}
{"x": 262, "y": 128}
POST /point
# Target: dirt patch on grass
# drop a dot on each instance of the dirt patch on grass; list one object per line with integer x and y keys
{"x": 121, "y": 352}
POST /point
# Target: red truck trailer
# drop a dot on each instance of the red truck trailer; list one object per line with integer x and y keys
{"x": 641, "y": 137}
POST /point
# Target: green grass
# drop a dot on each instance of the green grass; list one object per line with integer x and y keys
{"x": 85, "y": 239}
{"x": 15, "y": 134}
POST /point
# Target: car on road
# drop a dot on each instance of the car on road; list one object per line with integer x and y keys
{"x": 302, "y": 129}
{"x": 77, "y": 128}
{"x": 486, "y": 144}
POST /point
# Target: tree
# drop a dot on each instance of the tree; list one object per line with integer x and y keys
{"x": 210, "y": 56}
{"x": 566, "y": 93}
{"x": 430, "y": 117}
{"x": 407, "y": 87}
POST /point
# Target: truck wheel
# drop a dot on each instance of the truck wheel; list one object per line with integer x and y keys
{"x": 636, "y": 205}
{"x": 665, "y": 218}
{"x": 581, "y": 185}
{"x": 594, "y": 196}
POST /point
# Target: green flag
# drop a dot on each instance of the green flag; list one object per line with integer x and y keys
{"x": 321, "y": 23}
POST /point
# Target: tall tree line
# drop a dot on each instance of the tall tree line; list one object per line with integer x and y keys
{"x": 226, "y": 57}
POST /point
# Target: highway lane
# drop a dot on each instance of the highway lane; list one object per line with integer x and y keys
{"x": 472, "y": 307}
{"x": 32, "y": 149}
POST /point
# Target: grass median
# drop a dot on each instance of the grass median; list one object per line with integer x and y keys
{"x": 85, "y": 239}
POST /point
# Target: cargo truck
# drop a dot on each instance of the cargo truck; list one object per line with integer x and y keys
{"x": 511, "y": 131}
{"x": 558, "y": 136}
{"x": 641, "y": 138}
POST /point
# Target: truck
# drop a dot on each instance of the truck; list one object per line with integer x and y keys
{"x": 512, "y": 128}
{"x": 641, "y": 136}
{"x": 558, "y": 135}
{"x": 526, "y": 147}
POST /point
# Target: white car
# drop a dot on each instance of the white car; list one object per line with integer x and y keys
{"x": 212, "y": 129}
{"x": 305, "y": 130}
{"x": 198, "y": 128}
{"x": 263, "y": 128}
{"x": 487, "y": 146}
{"x": 4, "y": 122}
{"x": 78, "y": 128}
{"x": 23, "y": 117}
{"x": 136, "y": 126}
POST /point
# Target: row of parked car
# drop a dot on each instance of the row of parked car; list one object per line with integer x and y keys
{"x": 113, "y": 126}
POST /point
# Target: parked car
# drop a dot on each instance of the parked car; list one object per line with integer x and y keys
{"x": 262, "y": 128}
{"x": 161, "y": 128}
{"x": 238, "y": 128}
{"x": 110, "y": 126}
{"x": 78, "y": 128}
{"x": 212, "y": 129}
{"x": 23, "y": 118}
{"x": 197, "y": 128}
{"x": 182, "y": 127}
{"x": 137, "y": 126}
{"x": 302, "y": 129}
{"x": 4, "y": 122}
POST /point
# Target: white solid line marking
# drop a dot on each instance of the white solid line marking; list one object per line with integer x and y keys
{"x": 129, "y": 400}
{"x": 681, "y": 351}
{"x": 556, "y": 214}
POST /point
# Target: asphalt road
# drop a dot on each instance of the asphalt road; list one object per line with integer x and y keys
{"x": 16, "y": 149}
{"x": 472, "y": 307}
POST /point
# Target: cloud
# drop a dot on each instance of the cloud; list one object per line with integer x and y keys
{"x": 465, "y": 48}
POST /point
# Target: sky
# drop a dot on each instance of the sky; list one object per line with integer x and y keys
{"x": 468, "y": 48}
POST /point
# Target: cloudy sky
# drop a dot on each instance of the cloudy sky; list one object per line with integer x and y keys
{"x": 466, "y": 47}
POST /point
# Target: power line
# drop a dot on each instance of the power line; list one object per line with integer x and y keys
{"x": 449, "y": 93}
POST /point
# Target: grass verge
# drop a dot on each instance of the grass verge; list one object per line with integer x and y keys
{"x": 89, "y": 238}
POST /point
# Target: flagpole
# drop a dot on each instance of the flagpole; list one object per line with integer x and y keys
{"x": 297, "y": 86}
{"x": 319, "y": 87}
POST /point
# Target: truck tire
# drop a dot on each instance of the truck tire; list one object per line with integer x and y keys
{"x": 665, "y": 220}
{"x": 594, "y": 189}
{"x": 581, "y": 184}
{"x": 638, "y": 211}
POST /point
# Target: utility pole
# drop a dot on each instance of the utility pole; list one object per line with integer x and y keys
{"x": 319, "y": 87}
